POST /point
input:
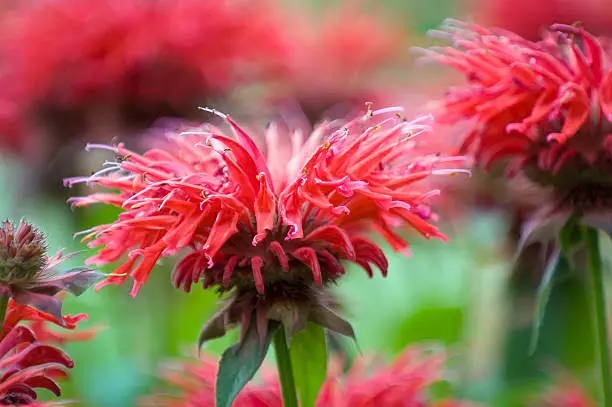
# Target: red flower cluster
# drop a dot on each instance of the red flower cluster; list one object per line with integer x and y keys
{"x": 27, "y": 363}
{"x": 167, "y": 50}
{"x": 545, "y": 105}
{"x": 251, "y": 218}
{"x": 404, "y": 382}
{"x": 150, "y": 55}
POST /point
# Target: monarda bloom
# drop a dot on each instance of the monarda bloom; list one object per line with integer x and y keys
{"x": 29, "y": 276}
{"x": 26, "y": 362}
{"x": 542, "y": 109}
{"x": 405, "y": 382}
{"x": 273, "y": 226}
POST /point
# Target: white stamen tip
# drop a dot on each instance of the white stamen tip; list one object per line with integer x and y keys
{"x": 213, "y": 111}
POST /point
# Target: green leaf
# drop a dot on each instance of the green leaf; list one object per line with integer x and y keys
{"x": 240, "y": 362}
{"x": 308, "y": 351}
{"x": 327, "y": 318}
{"x": 544, "y": 289}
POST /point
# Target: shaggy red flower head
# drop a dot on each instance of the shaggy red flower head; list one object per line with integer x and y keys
{"x": 26, "y": 362}
{"x": 405, "y": 382}
{"x": 544, "y": 106}
{"x": 273, "y": 225}
{"x": 29, "y": 276}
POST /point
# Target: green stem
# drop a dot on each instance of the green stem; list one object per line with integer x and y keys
{"x": 601, "y": 323}
{"x": 285, "y": 370}
{"x": 3, "y": 308}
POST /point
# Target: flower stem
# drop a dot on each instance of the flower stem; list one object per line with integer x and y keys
{"x": 601, "y": 324}
{"x": 285, "y": 370}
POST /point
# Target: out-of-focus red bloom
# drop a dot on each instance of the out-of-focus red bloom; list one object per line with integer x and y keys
{"x": 139, "y": 57}
{"x": 164, "y": 50}
{"x": 547, "y": 105}
{"x": 529, "y": 18}
{"x": 338, "y": 58}
{"x": 271, "y": 222}
{"x": 405, "y": 382}
{"x": 29, "y": 276}
{"x": 567, "y": 394}
{"x": 26, "y": 363}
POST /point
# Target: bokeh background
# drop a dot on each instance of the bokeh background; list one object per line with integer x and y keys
{"x": 74, "y": 71}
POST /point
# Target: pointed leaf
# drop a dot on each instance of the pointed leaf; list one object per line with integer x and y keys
{"x": 329, "y": 319}
{"x": 309, "y": 355}
{"x": 541, "y": 229}
{"x": 544, "y": 289}
{"x": 77, "y": 281}
{"x": 214, "y": 328}
{"x": 240, "y": 362}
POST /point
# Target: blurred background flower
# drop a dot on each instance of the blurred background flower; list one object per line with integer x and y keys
{"x": 406, "y": 382}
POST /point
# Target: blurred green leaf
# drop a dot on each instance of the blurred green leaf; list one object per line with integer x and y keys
{"x": 308, "y": 351}
{"x": 544, "y": 289}
{"x": 239, "y": 364}
{"x": 432, "y": 323}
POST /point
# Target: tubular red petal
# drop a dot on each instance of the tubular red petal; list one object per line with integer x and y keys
{"x": 265, "y": 212}
{"x": 228, "y": 269}
{"x": 368, "y": 252}
{"x": 256, "y": 265}
{"x": 309, "y": 257}
{"x": 223, "y": 228}
{"x": 280, "y": 254}
{"x": 334, "y": 235}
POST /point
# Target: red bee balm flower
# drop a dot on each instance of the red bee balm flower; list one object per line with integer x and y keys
{"x": 547, "y": 105}
{"x": 272, "y": 226}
